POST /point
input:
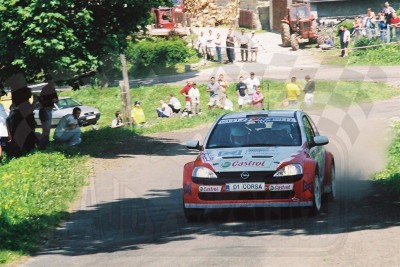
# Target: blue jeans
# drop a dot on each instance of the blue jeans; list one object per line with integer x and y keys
{"x": 45, "y": 116}
{"x": 219, "y": 57}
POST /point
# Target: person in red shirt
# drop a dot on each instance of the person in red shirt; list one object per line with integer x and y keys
{"x": 185, "y": 92}
{"x": 395, "y": 23}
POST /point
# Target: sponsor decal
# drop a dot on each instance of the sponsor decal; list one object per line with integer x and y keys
{"x": 308, "y": 186}
{"x": 225, "y": 164}
{"x": 204, "y": 188}
{"x": 206, "y": 156}
{"x": 280, "y": 187}
{"x": 250, "y": 163}
{"x": 256, "y": 120}
{"x": 187, "y": 189}
{"x": 245, "y": 187}
{"x": 230, "y": 153}
{"x": 261, "y": 151}
{"x": 233, "y": 120}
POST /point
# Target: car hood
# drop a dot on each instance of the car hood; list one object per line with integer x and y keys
{"x": 249, "y": 158}
{"x": 86, "y": 109}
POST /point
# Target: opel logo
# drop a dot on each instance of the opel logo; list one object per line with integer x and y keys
{"x": 245, "y": 175}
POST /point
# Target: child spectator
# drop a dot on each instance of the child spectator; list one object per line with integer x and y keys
{"x": 137, "y": 114}
{"x": 174, "y": 103}
{"x": 117, "y": 122}
{"x": 258, "y": 99}
{"x": 185, "y": 92}
{"x": 164, "y": 111}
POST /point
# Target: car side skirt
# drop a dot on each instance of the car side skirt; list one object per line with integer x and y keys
{"x": 249, "y": 205}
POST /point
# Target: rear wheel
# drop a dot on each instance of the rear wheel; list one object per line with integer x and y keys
{"x": 332, "y": 195}
{"x": 294, "y": 42}
{"x": 285, "y": 34}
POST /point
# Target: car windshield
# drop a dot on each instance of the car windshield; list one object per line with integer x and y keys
{"x": 68, "y": 103}
{"x": 255, "y": 132}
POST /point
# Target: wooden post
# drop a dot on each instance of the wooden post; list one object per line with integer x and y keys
{"x": 125, "y": 92}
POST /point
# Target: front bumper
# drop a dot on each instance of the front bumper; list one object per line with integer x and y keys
{"x": 248, "y": 205}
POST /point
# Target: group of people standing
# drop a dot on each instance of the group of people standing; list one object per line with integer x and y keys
{"x": 293, "y": 92}
{"x": 209, "y": 45}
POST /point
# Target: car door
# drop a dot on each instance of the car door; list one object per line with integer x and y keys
{"x": 316, "y": 152}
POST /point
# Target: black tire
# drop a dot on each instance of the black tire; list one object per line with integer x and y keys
{"x": 332, "y": 195}
{"x": 285, "y": 34}
{"x": 294, "y": 43}
{"x": 317, "y": 201}
{"x": 193, "y": 215}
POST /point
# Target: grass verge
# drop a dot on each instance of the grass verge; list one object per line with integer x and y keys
{"x": 37, "y": 189}
{"x": 390, "y": 176}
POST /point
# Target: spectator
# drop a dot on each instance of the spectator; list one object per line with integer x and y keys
{"x": 68, "y": 130}
{"x": 341, "y": 36}
{"x": 218, "y": 47}
{"x": 371, "y": 20}
{"x": 185, "y": 92}
{"x": 47, "y": 98}
{"x": 164, "y": 111}
{"x": 174, "y": 103}
{"x": 5, "y": 134}
{"x": 395, "y": 23}
{"x": 258, "y": 99}
{"x": 309, "y": 89}
{"x": 203, "y": 45}
{"x": 213, "y": 89}
{"x": 244, "y": 45}
{"x": 292, "y": 92}
{"x": 346, "y": 41}
{"x": 328, "y": 43}
{"x": 117, "y": 122}
{"x": 223, "y": 87}
{"x": 254, "y": 43}
{"x": 194, "y": 95}
{"x": 210, "y": 46}
{"x": 252, "y": 83}
{"x": 241, "y": 91}
{"x": 137, "y": 114}
{"x": 388, "y": 12}
{"x": 230, "y": 47}
{"x": 382, "y": 25}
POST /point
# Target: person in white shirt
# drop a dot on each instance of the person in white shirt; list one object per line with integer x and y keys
{"x": 117, "y": 122}
{"x": 244, "y": 45}
{"x": 252, "y": 83}
{"x": 210, "y": 46}
{"x": 5, "y": 135}
{"x": 203, "y": 45}
{"x": 254, "y": 43}
{"x": 217, "y": 43}
{"x": 346, "y": 40}
{"x": 194, "y": 95}
{"x": 174, "y": 103}
{"x": 68, "y": 130}
{"x": 164, "y": 111}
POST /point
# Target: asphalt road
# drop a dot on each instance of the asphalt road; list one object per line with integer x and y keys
{"x": 130, "y": 214}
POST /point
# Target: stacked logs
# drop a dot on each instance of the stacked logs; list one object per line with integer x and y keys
{"x": 210, "y": 13}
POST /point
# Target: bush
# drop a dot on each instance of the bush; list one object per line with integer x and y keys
{"x": 158, "y": 53}
{"x": 364, "y": 41}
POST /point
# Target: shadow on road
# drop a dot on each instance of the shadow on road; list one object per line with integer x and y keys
{"x": 157, "y": 218}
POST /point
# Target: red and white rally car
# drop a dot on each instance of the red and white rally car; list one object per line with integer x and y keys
{"x": 251, "y": 159}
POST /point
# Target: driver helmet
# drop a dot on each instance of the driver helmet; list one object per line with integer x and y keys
{"x": 238, "y": 135}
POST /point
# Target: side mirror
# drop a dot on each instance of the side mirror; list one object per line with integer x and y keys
{"x": 321, "y": 140}
{"x": 193, "y": 144}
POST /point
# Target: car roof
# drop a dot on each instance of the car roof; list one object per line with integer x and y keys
{"x": 268, "y": 113}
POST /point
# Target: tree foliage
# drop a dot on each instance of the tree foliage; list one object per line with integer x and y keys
{"x": 61, "y": 39}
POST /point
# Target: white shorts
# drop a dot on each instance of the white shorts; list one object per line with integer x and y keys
{"x": 308, "y": 99}
{"x": 214, "y": 100}
{"x": 244, "y": 100}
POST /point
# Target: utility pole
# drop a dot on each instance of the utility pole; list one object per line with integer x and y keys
{"x": 125, "y": 92}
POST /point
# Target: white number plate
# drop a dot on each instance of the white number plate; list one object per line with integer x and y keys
{"x": 91, "y": 117}
{"x": 245, "y": 187}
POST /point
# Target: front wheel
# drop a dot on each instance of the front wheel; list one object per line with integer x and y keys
{"x": 294, "y": 42}
{"x": 317, "y": 202}
{"x": 332, "y": 195}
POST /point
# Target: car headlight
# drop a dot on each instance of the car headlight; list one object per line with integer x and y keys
{"x": 289, "y": 170}
{"x": 203, "y": 172}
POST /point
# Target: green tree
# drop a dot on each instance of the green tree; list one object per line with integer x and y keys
{"x": 61, "y": 39}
